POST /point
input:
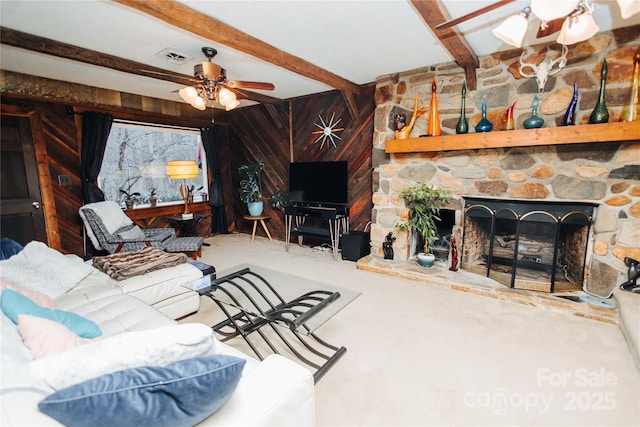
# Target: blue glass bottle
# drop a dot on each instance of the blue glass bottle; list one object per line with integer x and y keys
{"x": 484, "y": 125}
{"x": 534, "y": 121}
{"x": 570, "y": 114}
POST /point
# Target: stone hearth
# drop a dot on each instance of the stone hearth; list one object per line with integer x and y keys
{"x": 462, "y": 281}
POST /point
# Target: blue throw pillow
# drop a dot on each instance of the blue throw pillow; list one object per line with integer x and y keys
{"x": 14, "y": 304}
{"x": 9, "y": 248}
{"x": 180, "y": 394}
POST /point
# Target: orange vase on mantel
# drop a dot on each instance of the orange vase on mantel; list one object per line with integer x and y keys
{"x": 433, "y": 129}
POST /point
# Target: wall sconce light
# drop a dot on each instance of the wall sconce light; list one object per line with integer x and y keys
{"x": 513, "y": 29}
{"x": 183, "y": 169}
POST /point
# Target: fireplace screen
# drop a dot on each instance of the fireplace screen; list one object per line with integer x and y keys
{"x": 527, "y": 245}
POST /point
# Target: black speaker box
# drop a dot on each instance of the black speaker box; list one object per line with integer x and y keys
{"x": 355, "y": 245}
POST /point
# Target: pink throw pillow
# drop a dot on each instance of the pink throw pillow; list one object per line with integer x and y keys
{"x": 41, "y": 299}
{"x": 44, "y": 337}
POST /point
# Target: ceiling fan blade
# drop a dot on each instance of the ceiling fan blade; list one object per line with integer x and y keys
{"x": 173, "y": 75}
{"x": 472, "y": 15}
{"x": 553, "y": 26}
{"x": 237, "y": 84}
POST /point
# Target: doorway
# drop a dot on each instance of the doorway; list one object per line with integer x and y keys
{"x": 22, "y": 218}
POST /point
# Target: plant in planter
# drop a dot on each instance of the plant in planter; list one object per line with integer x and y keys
{"x": 153, "y": 199}
{"x": 251, "y": 187}
{"x": 424, "y": 203}
{"x": 129, "y": 197}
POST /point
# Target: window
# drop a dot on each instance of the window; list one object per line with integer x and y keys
{"x": 136, "y": 158}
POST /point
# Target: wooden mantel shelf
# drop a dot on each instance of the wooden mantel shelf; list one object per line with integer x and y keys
{"x": 606, "y": 132}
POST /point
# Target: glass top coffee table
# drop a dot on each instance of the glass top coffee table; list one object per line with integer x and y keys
{"x": 290, "y": 307}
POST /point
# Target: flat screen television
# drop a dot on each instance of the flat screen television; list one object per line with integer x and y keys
{"x": 318, "y": 183}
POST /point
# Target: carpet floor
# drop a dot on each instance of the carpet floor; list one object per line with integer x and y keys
{"x": 421, "y": 355}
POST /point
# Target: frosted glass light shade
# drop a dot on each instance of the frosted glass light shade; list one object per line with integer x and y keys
{"x": 199, "y": 103}
{"x": 188, "y": 93}
{"x": 547, "y": 10}
{"x": 226, "y": 97}
{"x": 232, "y": 105}
{"x": 628, "y": 8}
{"x": 182, "y": 169}
{"x": 512, "y": 30}
{"x": 577, "y": 29}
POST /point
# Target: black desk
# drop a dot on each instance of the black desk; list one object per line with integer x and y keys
{"x": 337, "y": 217}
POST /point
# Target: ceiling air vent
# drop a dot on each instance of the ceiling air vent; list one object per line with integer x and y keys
{"x": 173, "y": 56}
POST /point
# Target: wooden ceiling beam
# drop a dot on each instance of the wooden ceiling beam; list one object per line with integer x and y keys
{"x": 434, "y": 13}
{"x": 181, "y": 16}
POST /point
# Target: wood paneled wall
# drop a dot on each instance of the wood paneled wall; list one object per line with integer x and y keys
{"x": 251, "y": 133}
{"x": 273, "y": 132}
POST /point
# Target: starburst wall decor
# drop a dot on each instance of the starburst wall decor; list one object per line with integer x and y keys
{"x": 327, "y": 130}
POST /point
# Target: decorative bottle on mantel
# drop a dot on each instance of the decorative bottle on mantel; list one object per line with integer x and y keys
{"x": 463, "y": 125}
{"x": 534, "y": 121}
{"x": 630, "y": 113}
{"x": 509, "y": 123}
{"x": 433, "y": 128}
{"x": 484, "y": 125}
{"x": 570, "y": 114}
{"x": 600, "y": 113}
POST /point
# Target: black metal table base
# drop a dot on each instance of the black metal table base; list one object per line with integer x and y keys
{"x": 251, "y": 303}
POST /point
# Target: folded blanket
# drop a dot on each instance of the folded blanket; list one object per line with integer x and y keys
{"x": 122, "y": 265}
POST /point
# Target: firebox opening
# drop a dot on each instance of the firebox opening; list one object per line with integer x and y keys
{"x": 527, "y": 246}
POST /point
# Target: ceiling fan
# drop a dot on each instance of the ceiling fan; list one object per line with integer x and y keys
{"x": 212, "y": 85}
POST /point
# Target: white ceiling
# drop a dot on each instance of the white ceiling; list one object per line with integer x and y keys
{"x": 357, "y": 40}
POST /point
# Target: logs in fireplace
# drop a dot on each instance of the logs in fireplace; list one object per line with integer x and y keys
{"x": 534, "y": 245}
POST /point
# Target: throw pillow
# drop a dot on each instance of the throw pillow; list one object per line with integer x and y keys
{"x": 8, "y": 248}
{"x": 157, "y": 347}
{"x": 134, "y": 233}
{"x": 40, "y": 299}
{"x": 44, "y": 337}
{"x": 14, "y": 304}
{"x": 42, "y": 269}
{"x": 181, "y": 394}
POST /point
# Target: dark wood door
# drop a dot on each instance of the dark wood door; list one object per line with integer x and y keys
{"x": 21, "y": 214}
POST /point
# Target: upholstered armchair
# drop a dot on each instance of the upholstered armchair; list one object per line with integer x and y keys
{"x": 110, "y": 229}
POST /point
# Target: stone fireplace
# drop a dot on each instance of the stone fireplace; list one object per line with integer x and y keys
{"x": 601, "y": 176}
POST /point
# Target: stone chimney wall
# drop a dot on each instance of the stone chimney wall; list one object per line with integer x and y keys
{"x": 605, "y": 173}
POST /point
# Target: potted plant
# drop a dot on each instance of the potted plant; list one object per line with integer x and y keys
{"x": 129, "y": 197}
{"x": 251, "y": 187}
{"x": 424, "y": 203}
{"x": 153, "y": 199}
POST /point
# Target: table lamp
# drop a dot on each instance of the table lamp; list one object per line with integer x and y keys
{"x": 183, "y": 169}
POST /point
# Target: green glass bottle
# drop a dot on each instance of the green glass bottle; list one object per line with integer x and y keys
{"x": 600, "y": 114}
{"x": 463, "y": 125}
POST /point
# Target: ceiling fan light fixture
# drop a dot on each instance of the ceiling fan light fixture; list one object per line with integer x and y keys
{"x": 199, "y": 103}
{"x": 232, "y": 105}
{"x": 628, "y": 8}
{"x": 513, "y": 29}
{"x": 226, "y": 97}
{"x": 188, "y": 94}
{"x": 577, "y": 28}
{"x": 548, "y": 10}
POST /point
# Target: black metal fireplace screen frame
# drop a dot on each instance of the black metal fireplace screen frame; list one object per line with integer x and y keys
{"x": 530, "y": 217}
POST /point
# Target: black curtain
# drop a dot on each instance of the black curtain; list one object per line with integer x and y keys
{"x": 216, "y": 197}
{"x": 95, "y": 132}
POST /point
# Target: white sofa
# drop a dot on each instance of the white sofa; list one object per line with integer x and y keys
{"x": 276, "y": 391}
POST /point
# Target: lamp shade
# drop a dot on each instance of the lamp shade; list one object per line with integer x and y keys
{"x": 232, "y": 105}
{"x": 512, "y": 30}
{"x": 182, "y": 169}
{"x": 628, "y": 8}
{"x": 577, "y": 29}
{"x": 226, "y": 97}
{"x": 547, "y": 10}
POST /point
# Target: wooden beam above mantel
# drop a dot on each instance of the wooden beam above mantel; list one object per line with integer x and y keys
{"x": 606, "y": 132}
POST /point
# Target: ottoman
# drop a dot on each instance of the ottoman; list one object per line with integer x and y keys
{"x": 189, "y": 245}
